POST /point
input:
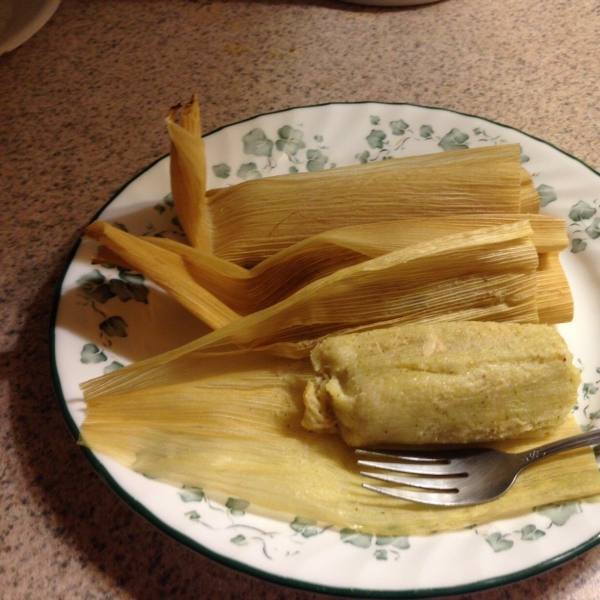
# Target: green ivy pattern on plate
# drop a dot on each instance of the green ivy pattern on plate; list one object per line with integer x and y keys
{"x": 588, "y": 405}
{"x": 385, "y": 141}
{"x": 584, "y": 224}
{"x": 288, "y": 141}
{"x": 555, "y": 515}
{"x": 229, "y": 516}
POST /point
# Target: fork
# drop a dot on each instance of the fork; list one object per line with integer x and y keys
{"x": 458, "y": 477}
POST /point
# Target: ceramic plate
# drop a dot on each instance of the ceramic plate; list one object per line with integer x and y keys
{"x": 21, "y": 20}
{"x": 105, "y": 318}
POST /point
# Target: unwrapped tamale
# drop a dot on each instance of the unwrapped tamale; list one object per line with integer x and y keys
{"x": 455, "y": 382}
{"x": 230, "y": 424}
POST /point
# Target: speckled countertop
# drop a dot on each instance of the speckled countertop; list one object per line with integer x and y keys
{"x": 83, "y": 105}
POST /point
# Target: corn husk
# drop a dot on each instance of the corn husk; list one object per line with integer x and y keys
{"x": 441, "y": 383}
{"x": 530, "y": 199}
{"x": 165, "y": 268}
{"x": 250, "y": 444}
{"x": 554, "y": 298}
{"x": 486, "y": 275}
{"x": 188, "y": 173}
{"x": 253, "y": 220}
{"x": 248, "y": 290}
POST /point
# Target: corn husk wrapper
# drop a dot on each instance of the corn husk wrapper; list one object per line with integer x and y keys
{"x": 166, "y": 269}
{"x": 554, "y": 298}
{"x": 231, "y": 425}
{"x": 530, "y": 199}
{"x": 282, "y": 274}
{"x": 212, "y": 285}
{"x": 188, "y": 173}
{"x": 275, "y": 278}
{"x": 253, "y": 220}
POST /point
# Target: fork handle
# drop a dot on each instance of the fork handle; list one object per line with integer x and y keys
{"x": 576, "y": 441}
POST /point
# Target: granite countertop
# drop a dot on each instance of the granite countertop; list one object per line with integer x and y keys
{"x": 83, "y": 105}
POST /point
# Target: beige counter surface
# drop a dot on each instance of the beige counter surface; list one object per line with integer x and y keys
{"x": 82, "y": 107}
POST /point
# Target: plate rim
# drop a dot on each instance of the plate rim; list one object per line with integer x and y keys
{"x": 463, "y": 588}
{"x": 45, "y": 11}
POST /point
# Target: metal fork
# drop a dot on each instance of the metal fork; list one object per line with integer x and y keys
{"x": 458, "y": 477}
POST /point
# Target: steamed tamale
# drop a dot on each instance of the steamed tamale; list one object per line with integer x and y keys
{"x": 441, "y": 383}
{"x": 231, "y": 424}
{"x": 248, "y": 290}
{"x": 255, "y": 219}
{"x": 252, "y": 220}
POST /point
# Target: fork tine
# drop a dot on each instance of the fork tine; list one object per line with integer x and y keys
{"x": 434, "y": 498}
{"x": 415, "y": 456}
{"x": 429, "y": 468}
{"x": 431, "y": 483}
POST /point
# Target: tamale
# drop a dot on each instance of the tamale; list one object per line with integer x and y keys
{"x": 213, "y": 422}
{"x": 250, "y": 221}
{"x": 441, "y": 383}
{"x": 255, "y": 219}
{"x": 483, "y": 272}
{"x": 488, "y": 272}
{"x": 277, "y": 277}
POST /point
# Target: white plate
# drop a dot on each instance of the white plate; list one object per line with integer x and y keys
{"x": 20, "y": 20}
{"x": 103, "y": 318}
